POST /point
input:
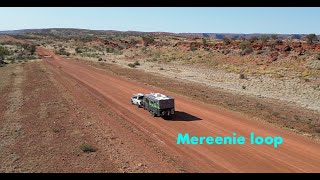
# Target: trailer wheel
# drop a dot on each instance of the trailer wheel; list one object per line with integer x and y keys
{"x": 153, "y": 114}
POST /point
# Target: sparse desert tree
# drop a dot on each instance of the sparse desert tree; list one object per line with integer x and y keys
{"x": 193, "y": 48}
{"x": 226, "y": 40}
{"x": 62, "y": 51}
{"x": 264, "y": 38}
{"x": 204, "y": 41}
{"x": 3, "y": 52}
{"x": 147, "y": 40}
{"x": 311, "y": 38}
{"x": 234, "y": 38}
{"x": 253, "y": 39}
{"x": 29, "y": 48}
{"x": 32, "y": 49}
{"x": 137, "y": 63}
{"x": 244, "y": 45}
{"x": 274, "y": 36}
{"x": 279, "y": 42}
{"x": 242, "y": 38}
{"x": 78, "y": 50}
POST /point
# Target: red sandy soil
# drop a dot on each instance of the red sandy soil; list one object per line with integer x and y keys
{"x": 5, "y": 38}
{"x": 296, "y": 154}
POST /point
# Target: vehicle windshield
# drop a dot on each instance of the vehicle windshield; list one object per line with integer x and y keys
{"x": 140, "y": 97}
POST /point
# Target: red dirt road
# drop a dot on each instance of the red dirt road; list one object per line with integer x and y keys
{"x": 296, "y": 154}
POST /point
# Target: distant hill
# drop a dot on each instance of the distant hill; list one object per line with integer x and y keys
{"x": 77, "y": 32}
{"x": 247, "y": 36}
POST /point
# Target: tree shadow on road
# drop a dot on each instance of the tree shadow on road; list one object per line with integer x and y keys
{"x": 182, "y": 116}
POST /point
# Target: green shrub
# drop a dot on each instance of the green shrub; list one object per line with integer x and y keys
{"x": 274, "y": 37}
{"x": 260, "y": 52}
{"x": 193, "y": 48}
{"x": 147, "y": 40}
{"x": 226, "y": 40}
{"x": 87, "y": 148}
{"x": 264, "y": 38}
{"x": 62, "y": 51}
{"x": 78, "y": 50}
{"x": 109, "y": 50}
{"x": 253, "y": 39}
{"x": 137, "y": 63}
{"x": 317, "y": 129}
{"x": 31, "y": 48}
{"x": 246, "y": 51}
{"x": 204, "y": 41}
{"x": 131, "y": 65}
{"x": 3, "y": 52}
{"x": 279, "y": 42}
{"x": 244, "y": 44}
{"x": 311, "y": 38}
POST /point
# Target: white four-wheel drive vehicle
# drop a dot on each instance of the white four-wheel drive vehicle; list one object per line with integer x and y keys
{"x": 137, "y": 99}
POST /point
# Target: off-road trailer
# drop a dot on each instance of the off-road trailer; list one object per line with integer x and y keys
{"x": 158, "y": 104}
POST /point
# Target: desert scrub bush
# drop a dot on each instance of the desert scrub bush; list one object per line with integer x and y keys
{"x": 78, "y": 50}
{"x": 193, "y": 48}
{"x": 117, "y": 52}
{"x": 136, "y": 63}
{"x": 318, "y": 57}
{"x": 100, "y": 59}
{"x": 204, "y": 41}
{"x": 3, "y": 53}
{"x": 264, "y": 38}
{"x": 317, "y": 129}
{"x": 147, "y": 40}
{"x": 226, "y": 40}
{"x": 109, "y": 50}
{"x": 87, "y": 148}
{"x": 144, "y": 49}
{"x": 278, "y": 42}
{"x": 62, "y": 51}
{"x": 253, "y": 39}
{"x": 244, "y": 44}
{"x": 311, "y": 38}
{"x": 260, "y": 52}
{"x": 242, "y": 76}
{"x": 246, "y": 51}
{"x": 31, "y": 48}
{"x": 131, "y": 65}
{"x": 161, "y": 68}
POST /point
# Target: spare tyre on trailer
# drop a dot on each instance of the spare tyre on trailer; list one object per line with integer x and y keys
{"x": 158, "y": 104}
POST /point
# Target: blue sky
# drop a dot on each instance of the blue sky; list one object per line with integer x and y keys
{"x": 167, "y": 19}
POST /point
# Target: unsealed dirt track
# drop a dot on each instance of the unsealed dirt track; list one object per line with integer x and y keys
{"x": 296, "y": 154}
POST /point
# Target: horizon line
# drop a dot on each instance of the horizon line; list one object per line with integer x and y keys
{"x": 155, "y": 31}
